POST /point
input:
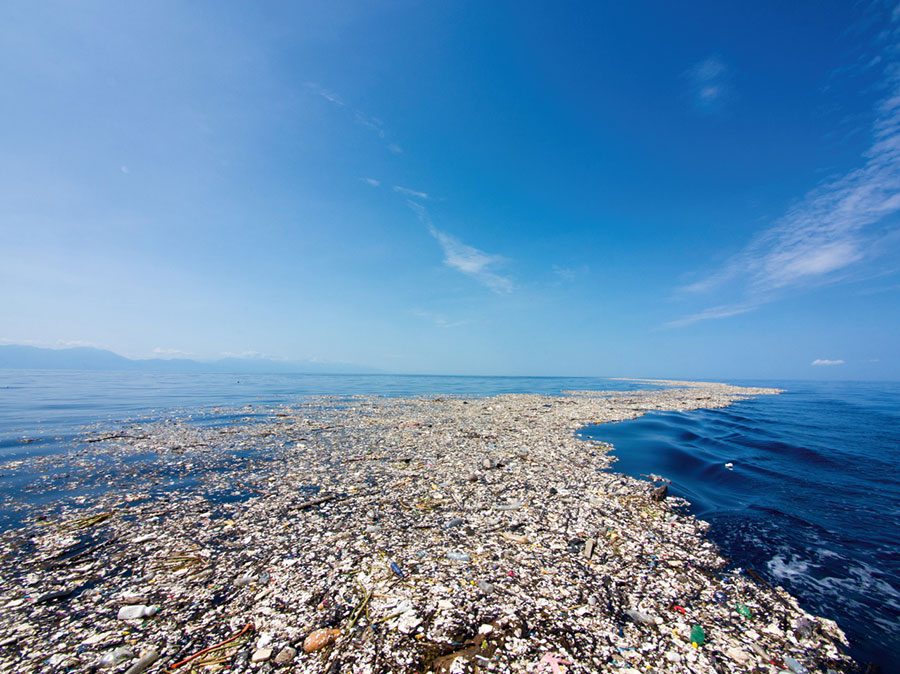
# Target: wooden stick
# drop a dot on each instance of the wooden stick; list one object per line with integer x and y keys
{"x": 319, "y": 501}
{"x": 211, "y": 648}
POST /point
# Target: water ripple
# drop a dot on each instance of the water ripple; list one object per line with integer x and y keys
{"x": 812, "y": 500}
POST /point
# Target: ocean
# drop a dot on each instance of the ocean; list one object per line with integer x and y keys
{"x": 811, "y": 499}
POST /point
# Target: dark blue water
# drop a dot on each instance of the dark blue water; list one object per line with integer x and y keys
{"x": 812, "y": 501}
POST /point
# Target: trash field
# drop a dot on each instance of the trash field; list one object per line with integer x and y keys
{"x": 371, "y": 534}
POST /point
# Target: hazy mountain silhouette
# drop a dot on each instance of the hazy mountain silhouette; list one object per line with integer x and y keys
{"x": 17, "y": 356}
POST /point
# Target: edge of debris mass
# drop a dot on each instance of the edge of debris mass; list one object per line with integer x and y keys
{"x": 369, "y": 534}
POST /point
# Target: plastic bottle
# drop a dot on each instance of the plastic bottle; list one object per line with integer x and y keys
{"x": 698, "y": 636}
{"x": 137, "y": 611}
{"x": 794, "y": 665}
{"x": 639, "y": 617}
{"x": 116, "y": 657}
{"x": 147, "y": 659}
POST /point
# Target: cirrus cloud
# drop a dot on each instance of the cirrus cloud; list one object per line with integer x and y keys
{"x": 464, "y": 258}
{"x": 826, "y": 236}
{"x": 710, "y": 84}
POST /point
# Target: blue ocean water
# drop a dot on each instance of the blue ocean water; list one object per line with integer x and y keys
{"x": 812, "y": 501}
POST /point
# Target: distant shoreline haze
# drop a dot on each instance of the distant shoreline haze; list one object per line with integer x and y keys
{"x": 22, "y": 357}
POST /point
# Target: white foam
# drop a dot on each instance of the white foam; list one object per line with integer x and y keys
{"x": 827, "y": 553}
{"x": 784, "y": 569}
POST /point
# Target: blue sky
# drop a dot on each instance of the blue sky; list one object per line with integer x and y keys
{"x": 622, "y": 189}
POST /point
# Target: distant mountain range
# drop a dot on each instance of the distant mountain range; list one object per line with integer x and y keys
{"x": 16, "y": 356}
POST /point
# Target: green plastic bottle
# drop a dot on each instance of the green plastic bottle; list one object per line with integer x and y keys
{"x": 744, "y": 610}
{"x": 698, "y": 636}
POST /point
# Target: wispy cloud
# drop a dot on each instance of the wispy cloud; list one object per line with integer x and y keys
{"x": 464, "y": 258}
{"x": 473, "y": 262}
{"x": 709, "y": 84}
{"x": 823, "y": 238}
{"x": 567, "y": 274}
{"x": 70, "y": 343}
{"x": 58, "y": 344}
{"x": 250, "y": 355}
{"x": 170, "y": 353}
{"x": 564, "y": 273}
{"x": 329, "y": 96}
{"x": 818, "y": 362}
{"x": 881, "y": 289}
{"x": 405, "y": 191}
{"x": 724, "y": 311}
{"x": 373, "y": 124}
{"x": 439, "y": 319}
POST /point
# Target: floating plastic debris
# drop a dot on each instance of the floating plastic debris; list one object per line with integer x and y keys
{"x": 378, "y": 518}
{"x": 698, "y": 636}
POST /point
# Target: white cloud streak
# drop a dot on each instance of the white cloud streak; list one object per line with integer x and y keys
{"x": 709, "y": 84}
{"x": 373, "y": 124}
{"x": 405, "y": 191}
{"x": 826, "y": 234}
{"x": 72, "y": 343}
{"x": 439, "y": 320}
{"x": 724, "y": 311}
{"x": 472, "y": 262}
{"x": 564, "y": 273}
{"x": 170, "y": 353}
{"x": 822, "y": 362}
{"x": 329, "y": 96}
{"x": 58, "y": 344}
{"x": 250, "y": 355}
{"x": 466, "y": 259}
